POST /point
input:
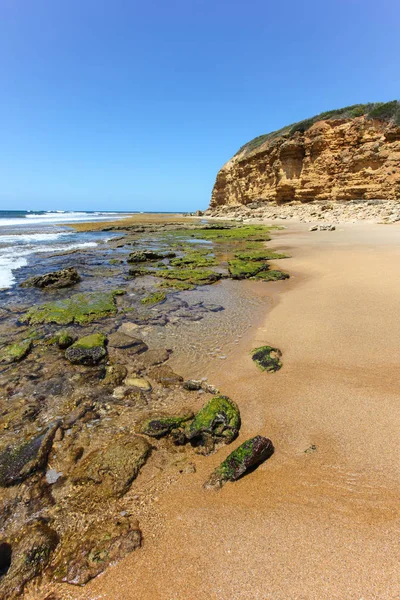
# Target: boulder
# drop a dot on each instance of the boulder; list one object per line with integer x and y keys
{"x": 54, "y": 280}
{"x": 249, "y": 455}
{"x": 15, "y": 352}
{"x": 115, "y": 375}
{"x": 148, "y": 255}
{"x": 165, "y": 376}
{"x": 123, "y": 341}
{"x": 88, "y": 350}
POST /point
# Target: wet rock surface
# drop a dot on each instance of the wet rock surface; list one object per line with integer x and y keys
{"x": 267, "y": 358}
{"x": 88, "y": 350}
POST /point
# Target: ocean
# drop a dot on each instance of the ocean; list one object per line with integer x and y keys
{"x": 27, "y": 233}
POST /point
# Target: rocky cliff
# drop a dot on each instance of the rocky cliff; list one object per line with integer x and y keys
{"x": 347, "y": 154}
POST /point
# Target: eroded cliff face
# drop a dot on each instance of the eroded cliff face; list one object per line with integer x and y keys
{"x": 340, "y": 159}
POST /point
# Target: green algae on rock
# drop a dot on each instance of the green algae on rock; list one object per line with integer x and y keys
{"x": 29, "y": 553}
{"x": 64, "y": 340}
{"x": 218, "y": 421}
{"x": 139, "y": 256}
{"x": 271, "y": 275}
{"x": 242, "y": 269}
{"x": 191, "y": 276}
{"x": 154, "y": 298}
{"x": 267, "y": 358}
{"x": 112, "y": 469}
{"x": 88, "y": 350}
{"x": 159, "y": 426}
{"x": 20, "y": 461}
{"x": 195, "y": 258}
{"x": 259, "y": 255}
{"x": 79, "y": 308}
{"x": 15, "y": 352}
{"x": 248, "y": 455}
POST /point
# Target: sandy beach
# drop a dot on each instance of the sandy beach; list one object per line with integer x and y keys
{"x": 320, "y": 518}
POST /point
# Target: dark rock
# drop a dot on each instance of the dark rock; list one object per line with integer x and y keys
{"x": 159, "y": 426}
{"x": 88, "y": 350}
{"x": 20, "y": 461}
{"x": 218, "y": 421}
{"x": 112, "y": 469}
{"x": 267, "y": 358}
{"x": 192, "y": 385}
{"x": 155, "y": 357}
{"x": 148, "y": 255}
{"x": 55, "y": 280}
{"x": 250, "y": 454}
{"x": 24, "y": 557}
{"x": 88, "y": 553}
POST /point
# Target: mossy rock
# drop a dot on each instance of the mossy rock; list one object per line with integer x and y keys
{"x": 218, "y": 421}
{"x": 267, "y": 358}
{"x": 88, "y": 350}
{"x": 15, "y": 352}
{"x": 64, "y": 340}
{"x": 18, "y": 462}
{"x": 54, "y": 280}
{"x": 191, "y": 276}
{"x": 154, "y": 298}
{"x": 139, "y": 256}
{"x": 159, "y": 426}
{"x": 272, "y": 275}
{"x": 193, "y": 259}
{"x": 259, "y": 255}
{"x": 79, "y": 308}
{"x": 247, "y": 456}
{"x": 173, "y": 284}
{"x": 244, "y": 269}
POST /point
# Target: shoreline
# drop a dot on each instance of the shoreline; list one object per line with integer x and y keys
{"x": 333, "y": 510}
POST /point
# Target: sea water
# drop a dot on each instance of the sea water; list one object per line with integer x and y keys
{"x": 24, "y": 233}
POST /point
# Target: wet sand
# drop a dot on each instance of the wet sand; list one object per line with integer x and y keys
{"x": 305, "y": 525}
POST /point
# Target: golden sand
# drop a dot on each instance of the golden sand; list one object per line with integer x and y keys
{"x": 314, "y": 525}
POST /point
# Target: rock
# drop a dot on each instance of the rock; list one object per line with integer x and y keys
{"x": 124, "y": 342}
{"x": 138, "y": 382}
{"x": 161, "y": 425}
{"x": 79, "y": 308}
{"x": 22, "y": 460}
{"x": 249, "y": 454}
{"x": 155, "y": 357}
{"x": 128, "y": 328}
{"x": 115, "y": 375}
{"x": 208, "y": 388}
{"x": 88, "y": 350}
{"x": 15, "y": 352}
{"x": 218, "y": 421}
{"x": 327, "y": 227}
{"x": 24, "y": 557}
{"x": 148, "y": 255}
{"x": 88, "y": 553}
{"x": 165, "y": 376}
{"x": 267, "y": 358}
{"x": 64, "y": 340}
{"x": 55, "y": 280}
{"x": 313, "y": 228}
{"x": 113, "y": 468}
{"x": 199, "y": 213}
{"x": 192, "y": 385}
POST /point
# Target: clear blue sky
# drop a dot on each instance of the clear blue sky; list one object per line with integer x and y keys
{"x": 121, "y": 104}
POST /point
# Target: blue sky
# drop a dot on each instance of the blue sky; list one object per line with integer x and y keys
{"x": 135, "y": 106}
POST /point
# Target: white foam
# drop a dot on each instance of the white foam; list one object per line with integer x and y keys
{"x": 22, "y": 238}
{"x": 13, "y": 258}
{"x": 58, "y": 217}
